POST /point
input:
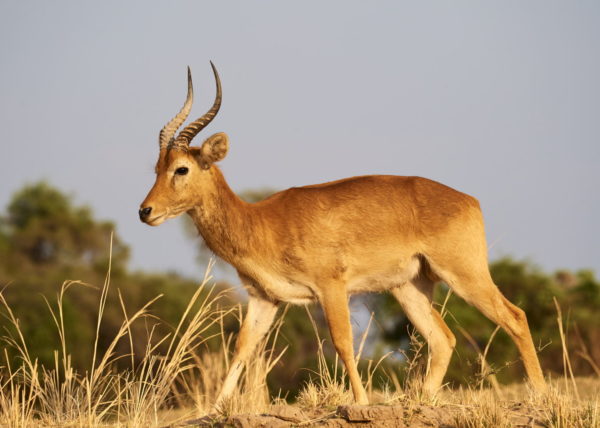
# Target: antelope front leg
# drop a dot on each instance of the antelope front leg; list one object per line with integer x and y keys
{"x": 259, "y": 317}
{"x": 335, "y": 305}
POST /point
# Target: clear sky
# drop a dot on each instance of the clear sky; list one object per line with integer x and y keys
{"x": 497, "y": 99}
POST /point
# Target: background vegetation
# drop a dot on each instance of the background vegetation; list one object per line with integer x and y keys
{"x": 45, "y": 239}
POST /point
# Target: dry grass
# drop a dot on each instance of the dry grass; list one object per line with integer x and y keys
{"x": 177, "y": 378}
{"x": 569, "y": 402}
{"x": 181, "y": 383}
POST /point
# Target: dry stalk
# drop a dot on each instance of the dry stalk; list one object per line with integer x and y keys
{"x": 566, "y": 360}
{"x": 584, "y": 353}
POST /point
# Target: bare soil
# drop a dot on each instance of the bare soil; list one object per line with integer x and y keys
{"x": 448, "y": 416}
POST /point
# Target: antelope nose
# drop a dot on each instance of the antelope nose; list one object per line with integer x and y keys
{"x": 144, "y": 213}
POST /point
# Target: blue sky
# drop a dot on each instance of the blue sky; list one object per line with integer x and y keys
{"x": 498, "y": 99}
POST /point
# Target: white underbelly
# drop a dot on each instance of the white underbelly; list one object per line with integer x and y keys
{"x": 290, "y": 290}
{"x": 286, "y": 290}
{"x": 377, "y": 282}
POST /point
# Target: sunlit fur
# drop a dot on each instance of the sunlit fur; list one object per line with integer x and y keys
{"x": 327, "y": 241}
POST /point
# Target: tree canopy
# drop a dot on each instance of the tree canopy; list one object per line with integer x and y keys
{"x": 42, "y": 228}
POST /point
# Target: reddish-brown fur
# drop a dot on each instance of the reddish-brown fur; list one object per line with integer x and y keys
{"x": 327, "y": 241}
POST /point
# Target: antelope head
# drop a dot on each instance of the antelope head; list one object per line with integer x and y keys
{"x": 183, "y": 173}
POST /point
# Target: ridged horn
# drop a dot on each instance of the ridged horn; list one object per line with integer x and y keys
{"x": 166, "y": 134}
{"x": 190, "y": 131}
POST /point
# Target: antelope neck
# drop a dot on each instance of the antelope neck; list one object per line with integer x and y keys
{"x": 223, "y": 219}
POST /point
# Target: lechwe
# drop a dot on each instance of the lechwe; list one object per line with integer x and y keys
{"x": 327, "y": 241}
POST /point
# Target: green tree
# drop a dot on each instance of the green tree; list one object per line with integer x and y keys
{"x": 43, "y": 228}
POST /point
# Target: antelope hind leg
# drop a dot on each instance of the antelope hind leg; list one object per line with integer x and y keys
{"x": 415, "y": 299}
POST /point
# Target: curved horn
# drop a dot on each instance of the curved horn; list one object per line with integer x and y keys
{"x": 190, "y": 131}
{"x": 166, "y": 134}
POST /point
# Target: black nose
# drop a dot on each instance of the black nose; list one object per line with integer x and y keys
{"x": 144, "y": 212}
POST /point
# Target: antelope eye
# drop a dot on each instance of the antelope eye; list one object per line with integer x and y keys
{"x": 181, "y": 171}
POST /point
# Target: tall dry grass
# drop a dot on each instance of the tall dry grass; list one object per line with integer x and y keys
{"x": 177, "y": 378}
{"x": 34, "y": 395}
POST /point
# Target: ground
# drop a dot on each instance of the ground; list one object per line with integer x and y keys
{"x": 513, "y": 406}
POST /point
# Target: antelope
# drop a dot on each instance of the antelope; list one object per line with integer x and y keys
{"x": 328, "y": 241}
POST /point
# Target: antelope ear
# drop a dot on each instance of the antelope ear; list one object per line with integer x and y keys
{"x": 213, "y": 149}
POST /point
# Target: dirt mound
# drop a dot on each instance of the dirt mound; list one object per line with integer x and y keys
{"x": 372, "y": 416}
